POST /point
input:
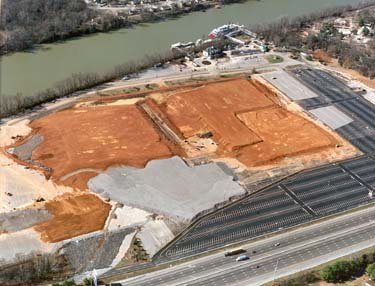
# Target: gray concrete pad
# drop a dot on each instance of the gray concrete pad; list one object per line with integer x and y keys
{"x": 168, "y": 187}
{"x": 21, "y": 243}
{"x": 331, "y": 116}
{"x": 154, "y": 235}
{"x": 289, "y": 85}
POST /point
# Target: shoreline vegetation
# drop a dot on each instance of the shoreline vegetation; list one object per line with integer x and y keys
{"x": 27, "y": 23}
{"x": 14, "y": 104}
{"x": 285, "y": 33}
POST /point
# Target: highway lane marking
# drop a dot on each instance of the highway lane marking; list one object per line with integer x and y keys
{"x": 311, "y": 228}
{"x": 253, "y": 262}
{"x": 320, "y": 260}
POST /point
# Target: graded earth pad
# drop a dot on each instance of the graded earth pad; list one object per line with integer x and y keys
{"x": 94, "y": 138}
{"x": 246, "y": 121}
{"x": 213, "y": 107}
{"x": 168, "y": 187}
{"x": 284, "y": 133}
{"x": 73, "y": 216}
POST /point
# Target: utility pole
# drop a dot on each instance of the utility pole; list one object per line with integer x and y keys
{"x": 274, "y": 273}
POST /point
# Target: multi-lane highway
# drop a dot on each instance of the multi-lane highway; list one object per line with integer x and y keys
{"x": 297, "y": 250}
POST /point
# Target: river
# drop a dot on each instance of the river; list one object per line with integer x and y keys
{"x": 29, "y": 72}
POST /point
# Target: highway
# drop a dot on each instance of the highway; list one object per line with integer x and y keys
{"x": 298, "y": 250}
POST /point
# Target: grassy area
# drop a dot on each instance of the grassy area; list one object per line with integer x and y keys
{"x": 189, "y": 80}
{"x": 135, "y": 254}
{"x": 274, "y": 59}
{"x": 243, "y": 37}
{"x": 128, "y": 90}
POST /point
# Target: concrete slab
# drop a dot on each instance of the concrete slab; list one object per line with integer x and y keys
{"x": 154, "y": 235}
{"x": 128, "y": 217}
{"x": 331, "y": 116}
{"x": 168, "y": 187}
{"x": 289, "y": 85}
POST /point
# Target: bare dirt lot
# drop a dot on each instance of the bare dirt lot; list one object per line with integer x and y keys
{"x": 73, "y": 216}
{"x": 96, "y": 137}
{"x": 246, "y": 121}
{"x": 213, "y": 107}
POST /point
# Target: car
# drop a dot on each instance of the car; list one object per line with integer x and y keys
{"x": 242, "y": 257}
{"x": 277, "y": 244}
{"x": 126, "y": 77}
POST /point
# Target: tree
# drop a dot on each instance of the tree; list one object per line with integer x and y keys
{"x": 370, "y": 270}
{"x": 361, "y": 22}
{"x": 339, "y": 271}
{"x": 366, "y": 31}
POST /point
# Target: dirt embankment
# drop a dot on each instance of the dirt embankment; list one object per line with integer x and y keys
{"x": 73, "y": 216}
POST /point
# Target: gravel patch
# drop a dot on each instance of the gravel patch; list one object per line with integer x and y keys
{"x": 168, "y": 187}
{"x": 95, "y": 252}
{"x": 24, "y": 151}
{"x": 22, "y": 219}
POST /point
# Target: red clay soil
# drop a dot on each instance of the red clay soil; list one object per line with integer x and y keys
{"x": 73, "y": 216}
{"x": 79, "y": 181}
{"x": 98, "y": 137}
{"x": 283, "y": 133}
{"x": 213, "y": 107}
{"x": 246, "y": 122}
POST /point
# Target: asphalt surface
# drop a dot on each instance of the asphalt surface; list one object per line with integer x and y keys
{"x": 334, "y": 92}
{"x": 299, "y": 249}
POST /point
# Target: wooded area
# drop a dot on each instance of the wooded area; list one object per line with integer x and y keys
{"x": 27, "y": 22}
{"x": 287, "y": 33}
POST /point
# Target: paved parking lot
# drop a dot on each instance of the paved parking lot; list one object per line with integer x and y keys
{"x": 289, "y": 85}
{"x": 307, "y": 196}
{"x": 333, "y": 92}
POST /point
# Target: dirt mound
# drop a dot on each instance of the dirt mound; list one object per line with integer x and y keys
{"x": 322, "y": 56}
{"x": 73, "y": 216}
{"x": 79, "y": 181}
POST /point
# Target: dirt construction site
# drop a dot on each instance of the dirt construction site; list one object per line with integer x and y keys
{"x": 115, "y": 162}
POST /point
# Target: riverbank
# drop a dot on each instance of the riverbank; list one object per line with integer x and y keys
{"x": 27, "y": 73}
{"x": 96, "y": 21}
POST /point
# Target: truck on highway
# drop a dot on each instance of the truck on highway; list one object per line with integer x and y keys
{"x": 234, "y": 252}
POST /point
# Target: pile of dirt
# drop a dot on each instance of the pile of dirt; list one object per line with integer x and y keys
{"x": 73, "y": 216}
{"x": 79, "y": 181}
{"x": 322, "y": 56}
